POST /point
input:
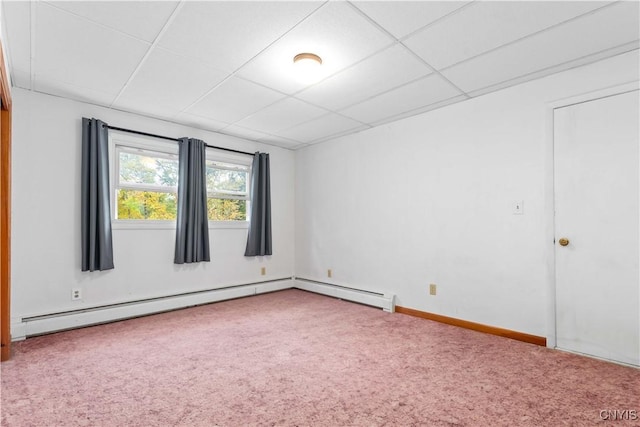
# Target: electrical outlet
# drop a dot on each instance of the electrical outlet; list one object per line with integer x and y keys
{"x": 329, "y": 273}
{"x": 432, "y": 289}
{"x": 76, "y": 294}
{"x": 263, "y": 271}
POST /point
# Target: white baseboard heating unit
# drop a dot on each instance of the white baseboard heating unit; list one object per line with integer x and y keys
{"x": 38, "y": 325}
{"x": 385, "y": 301}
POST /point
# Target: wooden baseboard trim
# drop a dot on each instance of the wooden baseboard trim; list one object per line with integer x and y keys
{"x": 520, "y": 336}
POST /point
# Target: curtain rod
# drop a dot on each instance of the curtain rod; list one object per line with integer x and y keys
{"x": 176, "y": 140}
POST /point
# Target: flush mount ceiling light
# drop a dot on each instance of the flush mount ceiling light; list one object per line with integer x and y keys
{"x": 307, "y": 58}
{"x": 307, "y": 67}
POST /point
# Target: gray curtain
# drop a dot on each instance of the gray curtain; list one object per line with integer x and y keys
{"x": 97, "y": 245}
{"x": 259, "y": 238}
{"x": 192, "y": 231}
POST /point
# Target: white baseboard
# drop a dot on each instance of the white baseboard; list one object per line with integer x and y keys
{"x": 26, "y": 327}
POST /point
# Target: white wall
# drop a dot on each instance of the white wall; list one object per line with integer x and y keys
{"x": 423, "y": 200}
{"x": 46, "y": 218}
{"x": 429, "y": 199}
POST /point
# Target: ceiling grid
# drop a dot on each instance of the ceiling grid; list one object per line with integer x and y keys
{"x": 226, "y": 66}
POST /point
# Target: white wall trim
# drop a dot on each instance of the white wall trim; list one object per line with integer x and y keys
{"x": 549, "y": 189}
{"x": 150, "y": 224}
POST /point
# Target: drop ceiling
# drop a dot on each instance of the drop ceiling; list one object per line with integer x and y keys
{"x": 225, "y": 66}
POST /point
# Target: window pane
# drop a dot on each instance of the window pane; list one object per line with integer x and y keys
{"x": 148, "y": 169}
{"x": 229, "y": 181}
{"x": 146, "y": 205}
{"x": 226, "y": 210}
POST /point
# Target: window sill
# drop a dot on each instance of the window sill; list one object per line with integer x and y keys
{"x": 171, "y": 225}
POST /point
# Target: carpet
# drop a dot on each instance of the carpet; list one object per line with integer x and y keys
{"x": 294, "y": 358}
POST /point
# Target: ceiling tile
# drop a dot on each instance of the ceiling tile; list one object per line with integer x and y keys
{"x": 72, "y": 50}
{"x": 486, "y": 25}
{"x": 226, "y": 65}
{"x": 559, "y": 68}
{"x": 141, "y": 19}
{"x": 16, "y": 21}
{"x": 78, "y": 93}
{"x": 571, "y": 41}
{"x": 336, "y": 32}
{"x": 226, "y": 34}
{"x": 321, "y": 127}
{"x": 418, "y": 94}
{"x": 201, "y": 122}
{"x": 240, "y": 132}
{"x": 404, "y": 17}
{"x": 383, "y": 71}
{"x": 169, "y": 81}
{"x": 280, "y": 142}
{"x": 281, "y": 115}
{"x": 235, "y": 99}
{"x": 157, "y": 111}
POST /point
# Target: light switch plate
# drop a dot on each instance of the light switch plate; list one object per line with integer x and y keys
{"x": 517, "y": 208}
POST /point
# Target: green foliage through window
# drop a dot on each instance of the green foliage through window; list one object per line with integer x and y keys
{"x": 146, "y": 205}
{"x": 147, "y": 184}
{"x": 226, "y": 209}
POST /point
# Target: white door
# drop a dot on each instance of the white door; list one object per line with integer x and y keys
{"x": 597, "y": 189}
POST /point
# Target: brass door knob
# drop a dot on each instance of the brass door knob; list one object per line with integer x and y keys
{"x": 563, "y": 241}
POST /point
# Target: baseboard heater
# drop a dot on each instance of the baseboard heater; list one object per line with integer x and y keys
{"x": 55, "y": 322}
{"x": 385, "y": 301}
{"x": 39, "y": 325}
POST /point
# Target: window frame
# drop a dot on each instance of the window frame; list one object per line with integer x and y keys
{"x": 125, "y": 142}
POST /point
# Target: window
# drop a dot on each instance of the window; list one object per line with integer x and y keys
{"x": 145, "y": 183}
{"x": 227, "y": 191}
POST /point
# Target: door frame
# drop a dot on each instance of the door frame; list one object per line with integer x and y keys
{"x": 549, "y": 209}
{"x": 5, "y": 212}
